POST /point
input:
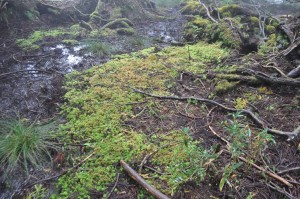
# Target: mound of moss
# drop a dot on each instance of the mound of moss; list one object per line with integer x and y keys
{"x": 100, "y": 100}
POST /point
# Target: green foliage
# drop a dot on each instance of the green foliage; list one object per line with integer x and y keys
{"x": 254, "y": 20}
{"x": 32, "y": 15}
{"x": 269, "y": 46}
{"x": 39, "y": 192}
{"x": 98, "y": 102}
{"x": 192, "y": 7}
{"x": 231, "y": 10}
{"x": 30, "y": 43}
{"x": 54, "y": 11}
{"x": 168, "y": 3}
{"x": 224, "y": 86}
{"x": 270, "y": 29}
{"x": 72, "y": 42}
{"x": 23, "y": 145}
{"x": 189, "y": 163}
{"x": 226, "y": 177}
{"x": 246, "y": 142}
{"x": 240, "y": 103}
{"x": 98, "y": 48}
{"x": 125, "y": 31}
{"x": 223, "y": 33}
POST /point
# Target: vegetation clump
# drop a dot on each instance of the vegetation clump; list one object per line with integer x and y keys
{"x": 98, "y": 102}
{"x": 34, "y": 40}
{"x": 24, "y": 146}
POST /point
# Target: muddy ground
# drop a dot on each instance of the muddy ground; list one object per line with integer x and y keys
{"x": 31, "y": 83}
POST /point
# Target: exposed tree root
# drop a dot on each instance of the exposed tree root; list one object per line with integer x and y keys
{"x": 248, "y": 113}
{"x": 273, "y": 80}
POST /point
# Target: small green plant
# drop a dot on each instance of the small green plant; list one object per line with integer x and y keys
{"x": 168, "y": 3}
{"x": 246, "y": 142}
{"x": 39, "y": 192}
{"x": 228, "y": 174}
{"x": 23, "y": 146}
{"x": 98, "y": 48}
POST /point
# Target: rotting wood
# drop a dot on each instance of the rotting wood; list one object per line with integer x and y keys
{"x": 270, "y": 174}
{"x": 134, "y": 175}
{"x": 248, "y": 113}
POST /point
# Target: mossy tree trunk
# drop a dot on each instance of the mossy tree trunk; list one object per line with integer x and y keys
{"x": 107, "y": 11}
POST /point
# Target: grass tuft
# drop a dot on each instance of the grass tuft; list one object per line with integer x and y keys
{"x": 23, "y": 146}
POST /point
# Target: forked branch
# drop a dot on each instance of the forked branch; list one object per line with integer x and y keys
{"x": 248, "y": 113}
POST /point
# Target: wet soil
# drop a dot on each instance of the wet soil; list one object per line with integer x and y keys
{"x": 31, "y": 83}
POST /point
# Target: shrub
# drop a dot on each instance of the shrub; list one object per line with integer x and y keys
{"x": 23, "y": 146}
{"x": 98, "y": 48}
{"x": 168, "y": 3}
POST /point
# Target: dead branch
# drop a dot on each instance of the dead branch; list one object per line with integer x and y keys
{"x": 207, "y": 12}
{"x": 273, "y": 80}
{"x": 288, "y": 170}
{"x": 270, "y": 174}
{"x": 292, "y": 46}
{"x": 280, "y": 190}
{"x": 134, "y": 175}
{"x": 112, "y": 190}
{"x": 62, "y": 173}
{"x": 248, "y": 113}
{"x": 294, "y": 73}
{"x": 273, "y": 65}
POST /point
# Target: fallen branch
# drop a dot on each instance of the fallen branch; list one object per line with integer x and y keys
{"x": 134, "y": 175}
{"x": 208, "y": 13}
{"x": 61, "y": 174}
{"x": 112, "y": 190}
{"x": 288, "y": 170}
{"x": 280, "y": 190}
{"x": 248, "y": 113}
{"x": 270, "y": 174}
{"x": 273, "y": 80}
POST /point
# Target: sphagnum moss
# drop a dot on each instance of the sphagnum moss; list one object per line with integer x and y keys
{"x": 98, "y": 101}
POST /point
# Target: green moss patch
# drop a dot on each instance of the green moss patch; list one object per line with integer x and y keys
{"x": 100, "y": 100}
{"x": 32, "y": 42}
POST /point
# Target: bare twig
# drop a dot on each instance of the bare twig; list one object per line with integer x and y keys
{"x": 63, "y": 173}
{"x": 248, "y": 113}
{"x": 288, "y": 170}
{"x": 280, "y": 190}
{"x": 271, "y": 174}
{"x": 134, "y": 175}
{"x": 112, "y": 190}
{"x": 208, "y": 13}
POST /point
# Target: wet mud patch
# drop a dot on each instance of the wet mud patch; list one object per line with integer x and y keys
{"x": 31, "y": 83}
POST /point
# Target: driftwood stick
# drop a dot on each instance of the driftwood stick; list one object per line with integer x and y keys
{"x": 134, "y": 175}
{"x": 272, "y": 175}
{"x": 248, "y": 113}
